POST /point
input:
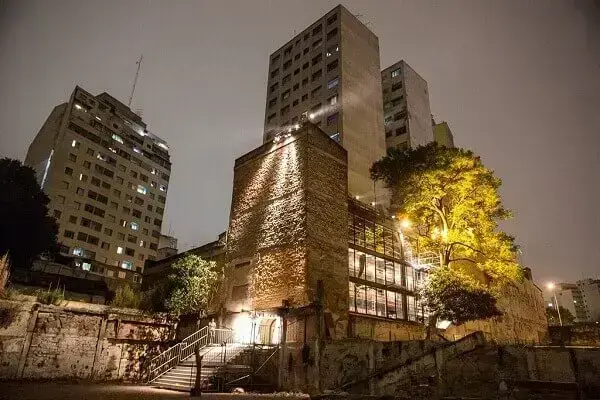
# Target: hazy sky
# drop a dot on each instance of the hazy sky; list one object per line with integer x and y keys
{"x": 518, "y": 82}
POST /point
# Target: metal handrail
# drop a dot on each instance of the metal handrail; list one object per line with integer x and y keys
{"x": 173, "y": 355}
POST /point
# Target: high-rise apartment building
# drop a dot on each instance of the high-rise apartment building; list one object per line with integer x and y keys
{"x": 590, "y": 291}
{"x": 107, "y": 178}
{"x": 330, "y": 73}
{"x": 406, "y": 109}
{"x": 570, "y": 298}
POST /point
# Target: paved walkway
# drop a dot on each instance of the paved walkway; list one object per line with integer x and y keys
{"x": 90, "y": 391}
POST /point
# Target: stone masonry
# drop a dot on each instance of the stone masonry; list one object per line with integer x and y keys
{"x": 287, "y": 225}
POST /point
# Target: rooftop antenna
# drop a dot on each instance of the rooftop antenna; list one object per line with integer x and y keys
{"x": 137, "y": 73}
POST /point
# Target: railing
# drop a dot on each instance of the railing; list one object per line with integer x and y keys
{"x": 175, "y": 354}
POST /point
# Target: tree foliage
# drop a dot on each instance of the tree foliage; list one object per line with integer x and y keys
{"x": 126, "y": 297}
{"x": 194, "y": 284}
{"x": 565, "y": 315}
{"x": 452, "y": 200}
{"x": 457, "y": 297}
{"x": 26, "y": 229}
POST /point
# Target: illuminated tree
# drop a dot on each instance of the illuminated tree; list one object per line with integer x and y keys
{"x": 193, "y": 285}
{"x": 26, "y": 229}
{"x": 452, "y": 202}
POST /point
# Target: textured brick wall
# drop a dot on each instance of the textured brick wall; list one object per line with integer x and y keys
{"x": 287, "y": 223}
{"x": 523, "y": 319}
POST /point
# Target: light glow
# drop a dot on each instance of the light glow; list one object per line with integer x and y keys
{"x": 405, "y": 223}
{"x": 77, "y": 106}
{"x": 551, "y": 285}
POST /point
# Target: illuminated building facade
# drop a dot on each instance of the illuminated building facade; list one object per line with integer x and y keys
{"x": 107, "y": 178}
{"x": 330, "y": 72}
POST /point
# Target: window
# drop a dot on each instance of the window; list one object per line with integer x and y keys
{"x": 317, "y": 29}
{"x": 141, "y": 189}
{"x": 76, "y": 204}
{"x": 137, "y": 213}
{"x": 332, "y": 100}
{"x": 272, "y": 102}
{"x": 304, "y": 82}
{"x": 395, "y": 73}
{"x": 305, "y": 65}
{"x": 129, "y": 252}
{"x": 119, "y": 180}
{"x": 108, "y": 231}
{"x": 296, "y": 71}
{"x": 123, "y": 223}
{"x": 332, "y": 19}
{"x": 64, "y": 185}
{"x": 83, "y": 177}
{"x": 72, "y": 219}
{"x": 87, "y": 164}
{"x": 286, "y": 79}
{"x": 275, "y": 59}
{"x": 57, "y": 214}
{"x": 287, "y": 64}
{"x": 142, "y": 243}
{"x": 332, "y": 33}
{"x": 69, "y": 234}
{"x": 304, "y": 97}
{"x": 75, "y": 144}
{"x": 317, "y": 59}
{"x": 317, "y": 75}
{"x": 122, "y": 168}
{"x": 117, "y": 138}
{"x": 285, "y": 110}
{"x": 141, "y": 257}
{"x": 126, "y": 265}
{"x": 105, "y": 246}
{"x": 306, "y": 36}
{"x": 295, "y": 103}
{"x": 60, "y": 199}
{"x": 95, "y": 181}
{"x": 401, "y": 130}
{"x": 133, "y": 174}
{"x": 72, "y": 157}
{"x": 296, "y": 57}
{"x": 274, "y": 87}
{"x": 396, "y": 86}
{"x": 90, "y": 152}
{"x": 332, "y": 50}
{"x": 315, "y": 92}
{"x": 335, "y": 136}
{"x": 317, "y": 43}
{"x": 275, "y": 72}
{"x": 333, "y": 83}
{"x": 332, "y": 66}
{"x": 332, "y": 119}
{"x": 69, "y": 171}
{"x": 134, "y": 226}
{"x": 119, "y": 250}
{"x": 271, "y": 117}
{"x": 117, "y": 193}
{"x": 296, "y": 87}
{"x": 287, "y": 51}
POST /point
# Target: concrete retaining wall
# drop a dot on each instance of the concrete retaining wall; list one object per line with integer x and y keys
{"x": 78, "y": 341}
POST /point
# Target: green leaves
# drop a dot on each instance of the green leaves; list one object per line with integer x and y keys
{"x": 194, "y": 283}
{"x": 454, "y": 205}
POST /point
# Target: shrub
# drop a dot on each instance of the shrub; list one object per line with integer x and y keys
{"x": 125, "y": 297}
{"x": 51, "y": 296}
{"x": 8, "y": 313}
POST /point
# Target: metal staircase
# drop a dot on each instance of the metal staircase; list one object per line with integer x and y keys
{"x": 223, "y": 362}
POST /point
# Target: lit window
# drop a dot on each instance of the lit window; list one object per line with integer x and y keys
{"x": 163, "y": 188}
{"x": 127, "y": 265}
{"x": 142, "y": 243}
{"x": 78, "y": 106}
{"x": 333, "y": 100}
{"x": 98, "y": 118}
{"x": 395, "y": 73}
{"x": 336, "y": 137}
{"x": 137, "y": 150}
{"x": 333, "y": 83}
{"x": 134, "y": 226}
{"x": 75, "y": 144}
{"x": 100, "y": 156}
{"x": 119, "y": 250}
{"x": 153, "y": 171}
{"x": 142, "y": 189}
{"x": 78, "y": 251}
{"x": 86, "y": 266}
{"x": 117, "y": 138}
{"x": 162, "y": 145}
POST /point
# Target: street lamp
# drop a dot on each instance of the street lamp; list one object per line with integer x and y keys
{"x": 551, "y": 287}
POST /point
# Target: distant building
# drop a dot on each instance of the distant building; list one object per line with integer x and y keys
{"x": 406, "y": 108}
{"x": 590, "y": 291}
{"x": 330, "y": 72}
{"x": 442, "y": 134}
{"x": 570, "y": 298}
{"x": 107, "y": 178}
{"x": 157, "y": 271}
{"x": 167, "y": 246}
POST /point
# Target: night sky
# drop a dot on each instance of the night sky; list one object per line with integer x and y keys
{"x": 518, "y": 82}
